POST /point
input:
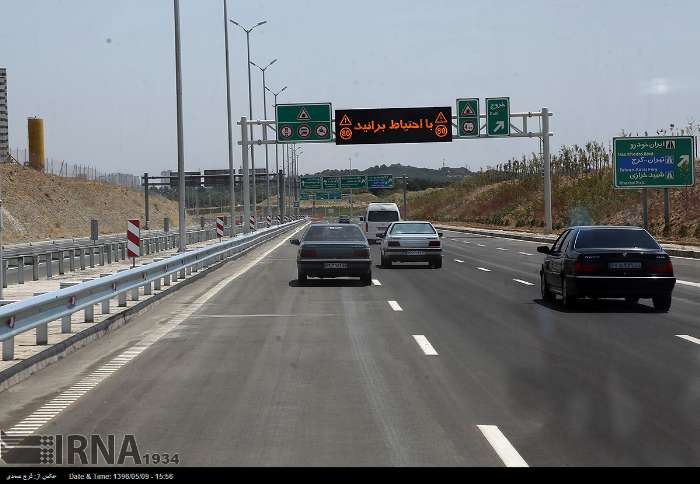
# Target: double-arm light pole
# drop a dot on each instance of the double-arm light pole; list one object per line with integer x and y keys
{"x": 231, "y": 171}
{"x": 250, "y": 106}
{"x": 267, "y": 163}
{"x": 277, "y": 165}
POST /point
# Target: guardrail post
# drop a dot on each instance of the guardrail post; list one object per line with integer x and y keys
{"x": 135, "y": 294}
{"x": 101, "y": 254}
{"x": 107, "y": 249}
{"x": 195, "y": 266}
{"x": 92, "y": 256}
{"x": 42, "y": 331}
{"x": 166, "y": 279}
{"x": 71, "y": 260}
{"x": 61, "y": 262}
{"x": 20, "y": 269}
{"x": 35, "y": 267}
{"x": 49, "y": 265}
{"x": 122, "y": 246}
{"x": 82, "y": 258}
{"x": 105, "y": 303}
{"x": 121, "y": 299}
{"x": 4, "y": 273}
{"x": 147, "y": 289}
{"x": 8, "y": 349}
{"x": 181, "y": 274}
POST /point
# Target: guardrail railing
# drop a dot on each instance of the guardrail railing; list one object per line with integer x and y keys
{"x": 36, "y": 312}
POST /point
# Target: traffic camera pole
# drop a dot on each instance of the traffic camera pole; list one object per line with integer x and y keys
{"x": 547, "y": 172}
{"x": 145, "y": 200}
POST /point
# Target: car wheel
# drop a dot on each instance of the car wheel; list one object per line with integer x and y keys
{"x": 547, "y": 295}
{"x": 437, "y": 264}
{"x": 631, "y": 300}
{"x": 366, "y": 279}
{"x": 567, "y": 299}
{"x": 385, "y": 263}
{"x": 301, "y": 277}
{"x": 662, "y": 303}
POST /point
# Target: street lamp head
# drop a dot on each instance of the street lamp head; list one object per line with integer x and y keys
{"x": 260, "y": 23}
{"x": 254, "y": 64}
{"x": 283, "y": 89}
{"x": 273, "y": 61}
{"x": 235, "y": 23}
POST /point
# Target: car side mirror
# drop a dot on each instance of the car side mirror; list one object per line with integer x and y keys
{"x": 362, "y": 219}
{"x": 294, "y": 241}
{"x": 380, "y": 235}
{"x": 440, "y": 234}
{"x": 544, "y": 249}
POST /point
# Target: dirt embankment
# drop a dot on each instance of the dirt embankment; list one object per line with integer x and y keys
{"x": 38, "y": 206}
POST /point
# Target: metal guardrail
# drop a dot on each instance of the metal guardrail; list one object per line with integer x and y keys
{"x": 36, "y": 312}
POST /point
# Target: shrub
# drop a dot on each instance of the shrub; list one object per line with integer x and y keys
{"x": 683, "y": 231}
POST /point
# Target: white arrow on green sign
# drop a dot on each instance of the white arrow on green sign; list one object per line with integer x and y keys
{"x": 498, "y": 116}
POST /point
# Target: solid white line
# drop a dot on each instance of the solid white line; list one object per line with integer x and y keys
{"x": 466, "y": 241}
{"x": 688, "y": 283}
{"x": 395, "y": 306}
{"x": 523, "y": 282}
{"x": 500, "y": 248}
{"x": 502, "y": 446}
{"x": 525, "y": 253}
{"x": 375, "y": 282}
{"x": 484, "y": 269}
{"x": 689, "y": 338}
{"x": 425, "y": 345}
{"x": 459, "y": 260}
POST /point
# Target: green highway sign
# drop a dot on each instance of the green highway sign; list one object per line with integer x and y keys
{"x": 335, "y": 196}
{"x": 468, "y": 117}
{"x": 331, "y": 182}
{"x": 296, "y": 204}
{"x": 654, "y": 161}
{"x": 351, "y": 182}
{"x": 498, "y": 116}
{"x": 310, "y": 182}
{"x": 380, "y": 181}
{"x": 321, "y": 195}
{"x": 306, "y": 196}
{"x": 303, "y": 123}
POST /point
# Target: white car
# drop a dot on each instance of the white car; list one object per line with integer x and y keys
{"x": 411, "y": 242}
{"x": 378, "y": 218}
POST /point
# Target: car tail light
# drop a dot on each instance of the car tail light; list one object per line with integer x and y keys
{"x": 586, "y": 267}
{"x": 662, "y": 267}
{"x": 393, "y": 243}
{"x": 360, "y": 253}
{"x": 434, "y": 243}
{"x": 309, "y": 253}
{"x": 366, "y": 227}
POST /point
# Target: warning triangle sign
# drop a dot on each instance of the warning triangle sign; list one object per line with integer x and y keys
{"x": 467, "y": 111}
{"x": 440, "y": 118}
{"x": 345, "y": 121}
{"x": 303, "y": 114}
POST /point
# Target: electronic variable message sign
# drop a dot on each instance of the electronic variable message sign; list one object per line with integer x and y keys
{"x": 654, "y": 162}
{"x": 303, "y": 123}
{"x": 393, "y": 125}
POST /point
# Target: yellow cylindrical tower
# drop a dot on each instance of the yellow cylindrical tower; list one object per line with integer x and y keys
{"x": 35, "y": 128}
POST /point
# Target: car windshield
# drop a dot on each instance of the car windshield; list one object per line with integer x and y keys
{"x": 614, "y": 239}
{"x": 344, "y": 233}
{"x": 382, "y": 216}
{"x": 412, "y": 228}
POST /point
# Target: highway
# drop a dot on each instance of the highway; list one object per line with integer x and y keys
{"x": 462, "y": 366}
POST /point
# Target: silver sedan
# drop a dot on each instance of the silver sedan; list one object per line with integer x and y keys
{"x": 411, "y": 242}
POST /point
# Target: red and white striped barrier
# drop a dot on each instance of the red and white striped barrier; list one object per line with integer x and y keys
{"x": 133, "y": 238}
{"x": 268, "y": 221}
{"x": 219, "y": 227}
{"x": 278, "y": 220}
{"x": 252, "y": 223}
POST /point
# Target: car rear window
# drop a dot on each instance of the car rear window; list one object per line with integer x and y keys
{"x": 412, "y": 229}
{"x": 344, "y": 233}
{"x": 382, "y": 216}
{"x": 614, "y": 239}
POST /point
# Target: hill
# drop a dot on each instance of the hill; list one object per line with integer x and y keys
{"x": 441, "y": 175}
{"x": 38, "y": 206}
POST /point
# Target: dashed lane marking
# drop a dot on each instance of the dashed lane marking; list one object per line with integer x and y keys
{"x": 484, "y": 269}
{"x": 375, "y": 282}
{"x": 395, "y": 306}
{"x": 523, "y": 282}
{"x": 425, "y": 345}
{"x": 459, "y": 260}
{"x": 502, "y": 446}
{"x": 500, "y": 248}
{"x": 689, "y": 338}
{"x": 525, "y": 253}
{"x": 688, "y": 283}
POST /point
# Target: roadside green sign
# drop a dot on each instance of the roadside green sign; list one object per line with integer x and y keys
{"x": 331, "y": 182}
{"x": 303, "y": 123}
{"x": 468, "y": 117}
{"x": 306, "y": 196}
{"x": 498, "y": 116}
{"x": 296, "y": 204}
{"x": 335, "y": 196}
{"x": 380, "y": 181}
{"x": 654, "y": 161}
{"x": 351, "y": 182}
{"x": 310, "y": 182}
{"x": 321, "y": 195}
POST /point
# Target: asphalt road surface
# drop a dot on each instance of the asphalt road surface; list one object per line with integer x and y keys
{"x": 462, "y": 365}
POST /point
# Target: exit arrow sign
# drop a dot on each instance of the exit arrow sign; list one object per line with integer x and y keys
{"x": 498, "y": 116}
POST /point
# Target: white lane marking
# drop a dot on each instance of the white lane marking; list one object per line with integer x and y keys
{"x": 686, "y": 258}
{"x": 425, "y": 345}
{"x": 481, "y": 245}
{"x": 375, "y": 282}
{"x": 523, "y": 282}
{"x": 395, "y": 306}
{"x": 62, "y": 401}
{"x": 688, "y": 283}
{"x": 689, "y": 338}
{"x": 484, "y": 269}
{"x": 525, "y": 253}
{"x": 502, "y": 446}
{"x": 459, "y": 260}
{"x": 500, "y": 248}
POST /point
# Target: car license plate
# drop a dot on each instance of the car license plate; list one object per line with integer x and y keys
{"x": 335, "y": 265}
{"x": 624, "y": 265}
{"x": 415, "y": 252}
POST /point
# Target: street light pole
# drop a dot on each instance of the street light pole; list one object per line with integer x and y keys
{"x": 277, "y": 167}
{"x": 182, "y": 229}
{"x": 231, "y": 170}
{"x": 250, "y": 108}
{"x": 267, "y": 163}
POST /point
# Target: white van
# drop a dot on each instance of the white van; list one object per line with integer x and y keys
{"x": 378, "y": 218}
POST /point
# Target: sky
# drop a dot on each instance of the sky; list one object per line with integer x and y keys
{"x": 101, "y": 73}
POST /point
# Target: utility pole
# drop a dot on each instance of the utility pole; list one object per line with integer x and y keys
{"x": 547, "y": 172}
{"x": 182, "y": 229}
{"x": 231, "y": 170}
